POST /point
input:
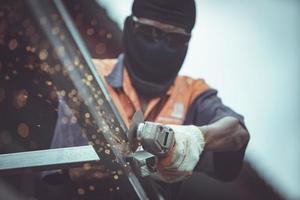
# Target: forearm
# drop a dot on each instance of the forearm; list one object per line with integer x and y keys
{"x": 223, "y": 153}
{"x": 227, "y": 134}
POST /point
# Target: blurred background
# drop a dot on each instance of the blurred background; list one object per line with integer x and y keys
{"x": 249, "y": 51}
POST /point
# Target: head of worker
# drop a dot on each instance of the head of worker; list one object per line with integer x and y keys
{"x": 155, "y": 40}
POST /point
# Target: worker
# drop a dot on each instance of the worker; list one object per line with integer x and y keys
{"x": 209, "y": 136}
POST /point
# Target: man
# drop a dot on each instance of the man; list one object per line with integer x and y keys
{"x": 209, "y": 136}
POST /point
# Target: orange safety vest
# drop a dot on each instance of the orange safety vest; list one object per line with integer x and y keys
{"x": 173, "y": 111}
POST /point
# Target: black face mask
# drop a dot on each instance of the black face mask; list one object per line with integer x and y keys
{"x": 152, "y": 65}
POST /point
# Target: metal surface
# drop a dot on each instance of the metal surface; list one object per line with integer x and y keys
{"x": 137, "y": 118}
{"x": 107, "y": 121}
{"x": 47, "y": 159}
{"x": 103, "y": 127}
{"x": 92, "y": 102}
{"x": 139, "y": 162}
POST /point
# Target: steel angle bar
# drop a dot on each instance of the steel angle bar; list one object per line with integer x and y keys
{"x": 60, "y": 158}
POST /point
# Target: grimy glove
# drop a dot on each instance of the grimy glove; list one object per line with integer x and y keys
{"x": 184, "y": 156}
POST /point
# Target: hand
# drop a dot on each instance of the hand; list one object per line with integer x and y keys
{"x": 184, "y": 156}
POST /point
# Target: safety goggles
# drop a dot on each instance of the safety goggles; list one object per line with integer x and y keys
{"x": 155, "y": 34}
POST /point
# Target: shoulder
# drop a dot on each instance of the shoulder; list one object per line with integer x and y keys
{"x": 104, "y": 66}
{"x": 194, "y": 87}
{"x": 191, "y": 83}
{"x": 208, "y": 108}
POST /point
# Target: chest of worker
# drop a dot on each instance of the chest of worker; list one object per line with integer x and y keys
{"x": 169, "y": 109}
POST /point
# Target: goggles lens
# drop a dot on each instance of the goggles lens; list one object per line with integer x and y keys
{"x": 154, "y": 34}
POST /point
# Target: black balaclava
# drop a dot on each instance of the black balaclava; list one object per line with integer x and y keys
{"x": 153, "y": 66}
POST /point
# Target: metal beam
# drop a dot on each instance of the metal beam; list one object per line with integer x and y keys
{"x": 47, "y": 159}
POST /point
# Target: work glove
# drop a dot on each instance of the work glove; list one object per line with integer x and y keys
{"x": 184, "y": 156}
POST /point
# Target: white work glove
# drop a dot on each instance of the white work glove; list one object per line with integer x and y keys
{"x": 182, "y": 159}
